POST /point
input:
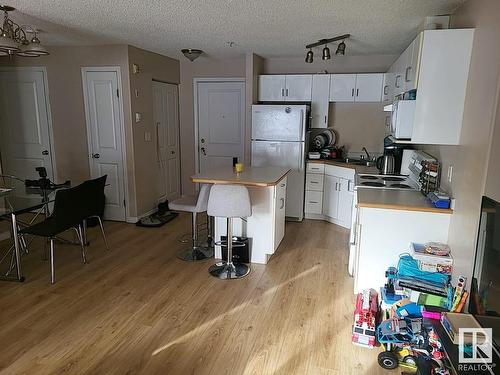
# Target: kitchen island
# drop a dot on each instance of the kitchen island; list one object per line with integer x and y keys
{"x": 266, "y": 226}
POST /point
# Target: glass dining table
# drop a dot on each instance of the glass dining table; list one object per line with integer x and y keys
{"x": 17, "y": 199}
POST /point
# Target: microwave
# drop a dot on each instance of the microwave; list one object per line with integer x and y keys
{"x": 402, "y": 118}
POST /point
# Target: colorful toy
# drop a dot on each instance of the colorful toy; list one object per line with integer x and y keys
{"x": 409, "y": 344}
{"x": 365, "y": 316}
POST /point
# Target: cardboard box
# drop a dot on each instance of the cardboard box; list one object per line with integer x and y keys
{"x": 430, "y": 262}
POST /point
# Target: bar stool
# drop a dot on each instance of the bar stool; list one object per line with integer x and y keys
{"x": 195, "y": 205}
{"x": 229, "y": 201}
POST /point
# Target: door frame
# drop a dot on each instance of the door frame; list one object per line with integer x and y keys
{"x": 116, "y": 69}
{"x": 42, "y": 70}
{"x": 196, "y": 122}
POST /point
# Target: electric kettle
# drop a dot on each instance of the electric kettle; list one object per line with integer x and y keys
{"x": 385, "y": 164}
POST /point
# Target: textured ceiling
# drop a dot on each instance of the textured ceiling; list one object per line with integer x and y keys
{"x": 269, "y": 28}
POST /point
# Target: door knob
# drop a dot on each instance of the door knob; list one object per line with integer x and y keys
{"x": 96, "y": 156}
{"x": 202, "y": 140}
{"x": 204, "y": 151}
{"x": 172, "y": 152}
{"x": 45, "y": 152}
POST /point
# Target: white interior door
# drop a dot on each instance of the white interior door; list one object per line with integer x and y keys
{"x": 25, "y": 141}
{"x": 104, "y": 132}
{"x": 166, "y": 117}
{"x": 221, "y": 123}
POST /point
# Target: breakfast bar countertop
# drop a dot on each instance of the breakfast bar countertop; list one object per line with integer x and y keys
{"x": 251, "y": 176}
{"x": 397, "y": 200}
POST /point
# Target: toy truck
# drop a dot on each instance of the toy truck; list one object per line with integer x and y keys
{"x": 365, "y": 319}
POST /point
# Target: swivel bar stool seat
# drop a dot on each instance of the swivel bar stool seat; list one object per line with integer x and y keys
{"x": 195, "y": 205}
{"x": 229, "y": 201}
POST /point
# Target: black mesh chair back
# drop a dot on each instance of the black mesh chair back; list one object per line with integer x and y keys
{"x": 93, "y": 199}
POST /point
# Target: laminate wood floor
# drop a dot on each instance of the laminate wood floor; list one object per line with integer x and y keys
{"x": 137, "y": 309}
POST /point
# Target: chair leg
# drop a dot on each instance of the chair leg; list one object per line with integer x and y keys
{"x": 52, "y": 268}
{"x": 79, "y": 233}
{"x": 103, "y": 234}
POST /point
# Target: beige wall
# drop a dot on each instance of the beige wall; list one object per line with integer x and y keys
{"x": 203, "y": 67}
{"x": 469, "y": 160}
{"x": 68, "y": 114}
{"x": 66, "y": 100}
{"x": 338, "y": 64}
{"x": 254, "y": 67}
{"x": 359, "y": 125}
{"x": 152, "y": 67}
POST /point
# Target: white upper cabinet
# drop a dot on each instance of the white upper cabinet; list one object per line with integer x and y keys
{"x": 342, "y": 87}
{"x": 412, "y": 64}
{"x": 285, "y": 88}
{"x": 272, "y": 88}
{"x": 388, "y": 87}
{"x": 368, "y": 87}
{"x": 442, "y": 85}
{"x": 298, "y": 88}
{"x": 356, "y": 87}
{"x": 319, "y": 100}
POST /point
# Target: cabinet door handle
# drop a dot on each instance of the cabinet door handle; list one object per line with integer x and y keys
{"x": 352, "y": 92}
{"x": 357, "y": 92}
{"x": 282, "y": 92}
{"x": 313, "y": 202}
{"x": 397, "y": 81}
{"x": 408, "y": 69}
{"x": 336, "y": 186}
{"x": 283, "y": 185}
{"x": 286, "y": 92}
{"x": 282, "y": 203}
{"x": 313, "y": 182}
{"x": 386, "y": 90}
{"x": 325, "y": 119}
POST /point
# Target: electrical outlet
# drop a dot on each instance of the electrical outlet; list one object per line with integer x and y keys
{"x": 450, "y": 174}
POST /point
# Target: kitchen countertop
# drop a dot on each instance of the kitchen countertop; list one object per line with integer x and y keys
{"x": 358, "y": 168}
{"x": 251, "y": 176}
{"x": 397, "y": 200}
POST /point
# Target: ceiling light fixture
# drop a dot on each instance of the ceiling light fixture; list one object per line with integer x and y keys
{"x": 326, "y": 51}
{"x": 309, "y": 56}
{"x": 14, "y": 39}
{"x": 191, "y": 53}
{"x": 340, "y": 49}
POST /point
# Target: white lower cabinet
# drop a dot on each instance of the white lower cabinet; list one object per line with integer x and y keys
{"x": 383, "y": 234}
{"x": 329, "y": 193}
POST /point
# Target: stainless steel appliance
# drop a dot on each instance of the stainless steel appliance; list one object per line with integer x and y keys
{"x": 386, "y": 164}
{"x": 279, "y": 139}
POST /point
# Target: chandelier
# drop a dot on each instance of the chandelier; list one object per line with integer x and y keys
{"x": 14, "y": 39}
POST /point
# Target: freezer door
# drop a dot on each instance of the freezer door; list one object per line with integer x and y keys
{"x": 287, "y": 155}
{"x": 279, "y": 122}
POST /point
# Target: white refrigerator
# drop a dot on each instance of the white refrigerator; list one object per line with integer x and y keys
{"x": 278, "y": 140}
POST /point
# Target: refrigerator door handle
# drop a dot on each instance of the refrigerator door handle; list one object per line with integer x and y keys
{"x": 302, "y": 115}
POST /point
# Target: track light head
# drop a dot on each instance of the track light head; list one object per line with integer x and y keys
{"x": 340, "y": 49}
{"x": 326, "y": 53}
{"x": 309, "y": 56}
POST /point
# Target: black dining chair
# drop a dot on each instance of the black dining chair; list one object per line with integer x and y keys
{"x": 93, "y": 200}
{"x": 65, "y": 216}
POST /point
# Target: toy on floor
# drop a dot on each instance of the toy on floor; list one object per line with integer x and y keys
{"x": 365, "y": 315}
{"x": 408, "y": 344}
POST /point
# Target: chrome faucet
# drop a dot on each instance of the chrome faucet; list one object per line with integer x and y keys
{"x": 367, "y": 154}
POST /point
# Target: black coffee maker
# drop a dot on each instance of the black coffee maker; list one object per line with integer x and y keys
{"x": 396, "y": 150}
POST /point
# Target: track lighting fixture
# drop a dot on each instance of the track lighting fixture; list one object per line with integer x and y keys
{"x": 340, "y": 49}
{"x": 326, "y": 51}
{"x": 309, "y": 56}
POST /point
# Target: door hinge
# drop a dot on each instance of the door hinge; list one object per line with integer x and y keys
{"x": 117, "y": 93}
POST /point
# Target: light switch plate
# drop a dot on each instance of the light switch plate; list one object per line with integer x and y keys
{"x": 450, "y": 173}
{"x": 138, "y": 117}
{"x": 147, "y": 136}
{"x": 136, "y": 92}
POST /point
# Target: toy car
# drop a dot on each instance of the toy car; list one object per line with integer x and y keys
{"x": 365, "y": 316}
{"x": 407, "y": 343}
